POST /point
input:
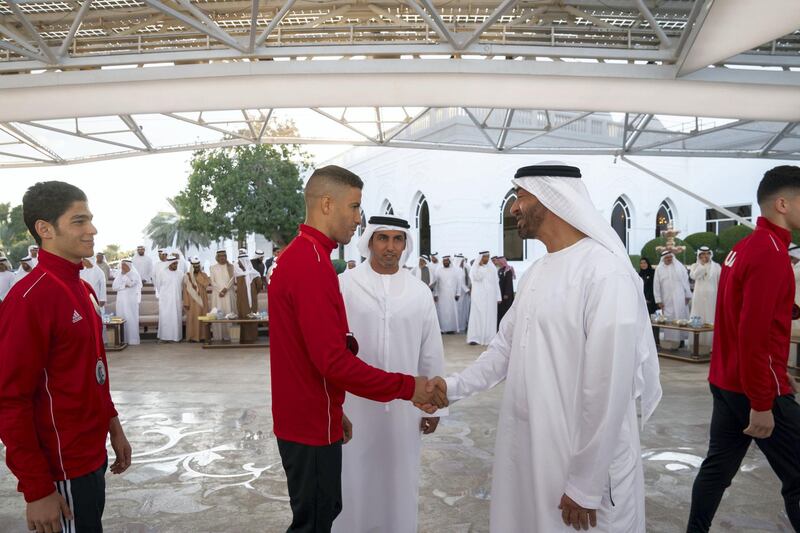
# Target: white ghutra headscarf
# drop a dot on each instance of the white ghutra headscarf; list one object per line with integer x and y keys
{"x": 388, "y": 224}
{"x": 559, "y": 188}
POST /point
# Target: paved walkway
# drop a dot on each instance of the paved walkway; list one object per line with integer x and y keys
{"x": 205, "y": 459}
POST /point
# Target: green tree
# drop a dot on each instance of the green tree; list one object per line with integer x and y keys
{"x": 710, "y": 239}
{"x": 172, "y": 229}
{"x": 728, "y": 239}
{"x": 703, "y": 238}
{"x": 14, "y": 236}
{"x": 247, "y": 189}
{"x": 114, "y": 252}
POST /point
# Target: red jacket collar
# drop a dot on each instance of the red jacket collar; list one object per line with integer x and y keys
{"x": 783, "y": 234}
{"x": 325, "y": 241}
{"x": 58, "y": 266}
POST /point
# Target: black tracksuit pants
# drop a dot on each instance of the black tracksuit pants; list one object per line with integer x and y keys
{"x": 86, "y": 498}
{"x": 728, "y": 445}
{"x": 314, "y": 477}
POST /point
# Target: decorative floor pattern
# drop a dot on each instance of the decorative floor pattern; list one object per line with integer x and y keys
{"x": 205, "y": 459}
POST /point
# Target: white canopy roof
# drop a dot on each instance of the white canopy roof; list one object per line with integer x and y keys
{"x": 125, "y": 77}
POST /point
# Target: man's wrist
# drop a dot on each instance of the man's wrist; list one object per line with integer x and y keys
{"x": 114, "y": 427}
{"x": 42, "y": 490}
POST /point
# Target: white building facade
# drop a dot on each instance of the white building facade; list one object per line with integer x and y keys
{"x": 460, "y": 201}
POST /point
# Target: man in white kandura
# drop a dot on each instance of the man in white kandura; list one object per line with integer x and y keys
{"x": 222, "y": 293}
{"x": 576, "y": 350}
{"x": 23, "y": 269}
{"x": 705, "y": 274}
{"x": 33, "y": 253}
{"x": 446, "y": 293}
{"x": 672, "y": 293}
{"x": 129, "y": 294}
{"x": 424, "y": 272}
{"x": 465, "y": 302}
{"x": 169, "y": 284}
{"x": 434, "y": 263}
{"x": 6, "y": 277}
{"x": 101, "y": 263}
{"x": 143, "y": 265}
{"x": 485, "y": 297}
{"x": 95, "y": 277}
{"x": 392, "y": 315}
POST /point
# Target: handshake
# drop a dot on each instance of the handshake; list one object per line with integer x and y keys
{"x": 430, "y": 394}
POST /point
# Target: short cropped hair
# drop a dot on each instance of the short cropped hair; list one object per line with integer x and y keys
{"x": 329, "y": 175}
{"x": 48, "y": 200}
{"x": 776, "y": 180}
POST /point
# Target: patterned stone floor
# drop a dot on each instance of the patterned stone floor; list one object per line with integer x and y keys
{"x": 205, "y": 459}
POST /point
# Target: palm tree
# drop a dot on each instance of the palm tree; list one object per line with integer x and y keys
{"x": 168, "y": 229}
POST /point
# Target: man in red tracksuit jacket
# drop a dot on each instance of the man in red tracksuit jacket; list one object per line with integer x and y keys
{"x": 752, "y": 391}
{"x": 55, "y": 405}
{"x": 312, "y": 355}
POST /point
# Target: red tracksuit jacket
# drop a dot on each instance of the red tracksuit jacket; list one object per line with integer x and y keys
{"x": 753, "y": 321}
{"x": 310, "y": 362}
{"x": 54, "y": 413}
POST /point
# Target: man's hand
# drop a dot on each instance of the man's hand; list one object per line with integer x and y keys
{"x": 660, "y": 306}
{"x": 102, "y": 303}
{"x": 576, "y": 516}
{"x": 44, "y": 515}
{"x": 347, "y": 426}
{"x": 436, "y": 387}
{"x": 435, "y": 298}
{"x": 430, "y": 395}
{"x": 761, "y": 424}
{"x": 121, "y": 446}
{"x": 223, "y": 292}
{"x": 429, "y": 424}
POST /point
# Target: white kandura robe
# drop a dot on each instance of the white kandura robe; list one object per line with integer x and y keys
{"x": 18, "y": 275}
{"x": 394, "y": 320}
{"x": 704, "y": 300}
{"x": 97, "y": 279}
{"x": 671, "y": 288}
{"x": 6, "y": 281}
{"x": 483, "y": 309}
{"x": 417, "y": 273}
{"x": 567, "y": 350}
{"x": 129, "y": 294}
{"x": 465, "y": 301}
{"x": 222, "y": 279}
{"x": 158, "y": 268}
{"x": 143, "y": 265}
{"x": 449, "y": 284}
{"x": 170, "y": 305}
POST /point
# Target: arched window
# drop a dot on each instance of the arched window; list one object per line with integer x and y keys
{"x": 387, "y": 208}
{"x": 423, "y": 219}
{"x": 513, "y": 245}
{"x": 664, "y": 217}
{"x": 621, "y": 220}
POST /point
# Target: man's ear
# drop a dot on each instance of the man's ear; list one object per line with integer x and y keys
{"x": 780, "y": 204}
{"x": 45, "y": 229}
{"x": 326, "y": 204}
